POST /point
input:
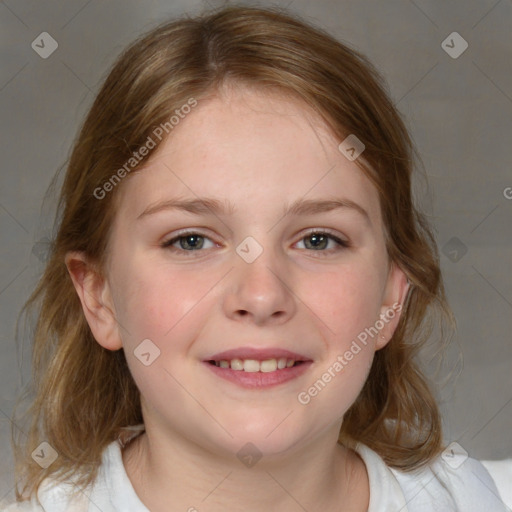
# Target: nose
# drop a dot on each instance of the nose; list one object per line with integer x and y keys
{"x": 260, "y": 292}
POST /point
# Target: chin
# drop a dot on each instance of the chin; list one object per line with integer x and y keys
{"x": 268, "y": 437}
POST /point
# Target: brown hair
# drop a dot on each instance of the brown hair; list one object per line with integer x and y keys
{"x": 84, "y": 394}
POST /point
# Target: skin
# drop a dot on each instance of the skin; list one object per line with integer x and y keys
{"x": 259, "y": 151}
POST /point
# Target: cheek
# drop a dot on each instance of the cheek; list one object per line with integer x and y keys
{"x": 347, "y": 301}
{"x": 162, "y": 307}
{"x": 157, "y": 304}
{"x": 348, "y": 304}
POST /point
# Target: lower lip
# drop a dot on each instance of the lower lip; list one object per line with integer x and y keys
{"x": 260, "y": 380}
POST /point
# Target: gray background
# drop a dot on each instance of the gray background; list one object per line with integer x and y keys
{"x": 459, "y": 111}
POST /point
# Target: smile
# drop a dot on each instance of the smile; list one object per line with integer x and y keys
{"x": 254, "y": 374}
{"x": 253, "y": 365}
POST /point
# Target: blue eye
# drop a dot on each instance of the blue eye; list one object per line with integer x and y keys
{"x": 188, "y": 242}
{"x": 317, "y": 240}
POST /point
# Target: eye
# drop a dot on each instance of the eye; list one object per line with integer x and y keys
{"x": 318, "y": 240}
{"x": 188, "y": 242}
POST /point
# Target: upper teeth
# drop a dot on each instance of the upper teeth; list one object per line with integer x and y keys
{"x": 252, "y": 365}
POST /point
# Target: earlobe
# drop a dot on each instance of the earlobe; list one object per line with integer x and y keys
{"x": 397, "y": 289}
{"x": 96, "y": 299}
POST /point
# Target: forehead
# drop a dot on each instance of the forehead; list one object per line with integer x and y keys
{"x": 255, "y": 149}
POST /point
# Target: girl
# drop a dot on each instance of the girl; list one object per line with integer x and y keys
{"x": 239, "y": 285}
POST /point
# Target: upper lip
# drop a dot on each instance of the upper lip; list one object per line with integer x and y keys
{"x": 259, "y": 354}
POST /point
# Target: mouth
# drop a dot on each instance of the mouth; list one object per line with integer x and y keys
{"x": 253, "y": 365}
{"x": 254, "y": 368}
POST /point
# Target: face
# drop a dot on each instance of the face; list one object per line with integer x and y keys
{"x": 276, "y": 254}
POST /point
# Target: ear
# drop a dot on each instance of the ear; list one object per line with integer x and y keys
{"x": 395, "y": 295}
{"x": 95, "y": 295}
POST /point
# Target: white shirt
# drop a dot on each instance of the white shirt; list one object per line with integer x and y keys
{"x": 438, "y": 487}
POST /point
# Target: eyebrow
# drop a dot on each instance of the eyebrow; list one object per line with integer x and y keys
{"x": 209, "y": 206}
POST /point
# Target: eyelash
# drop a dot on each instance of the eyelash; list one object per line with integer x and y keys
{"x": 342, "y": 244}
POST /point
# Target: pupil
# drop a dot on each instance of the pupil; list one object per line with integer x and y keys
{"x": 195, "y": 243}
{"x": 318, "y": 240}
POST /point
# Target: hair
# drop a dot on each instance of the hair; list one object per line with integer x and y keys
{"x": 84, "y": 396}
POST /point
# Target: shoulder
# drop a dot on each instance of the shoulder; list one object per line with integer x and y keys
{"x": 66, "y": 496}
{"x": 451, "y": 482}
{"x": 463, "y": 482}
{"x": 52, "y": 497}
{"x": 24, "y": 506}
{"x": 501, "y": 473}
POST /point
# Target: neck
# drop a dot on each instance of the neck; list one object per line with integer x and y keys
{"x": 174, "y": 474}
